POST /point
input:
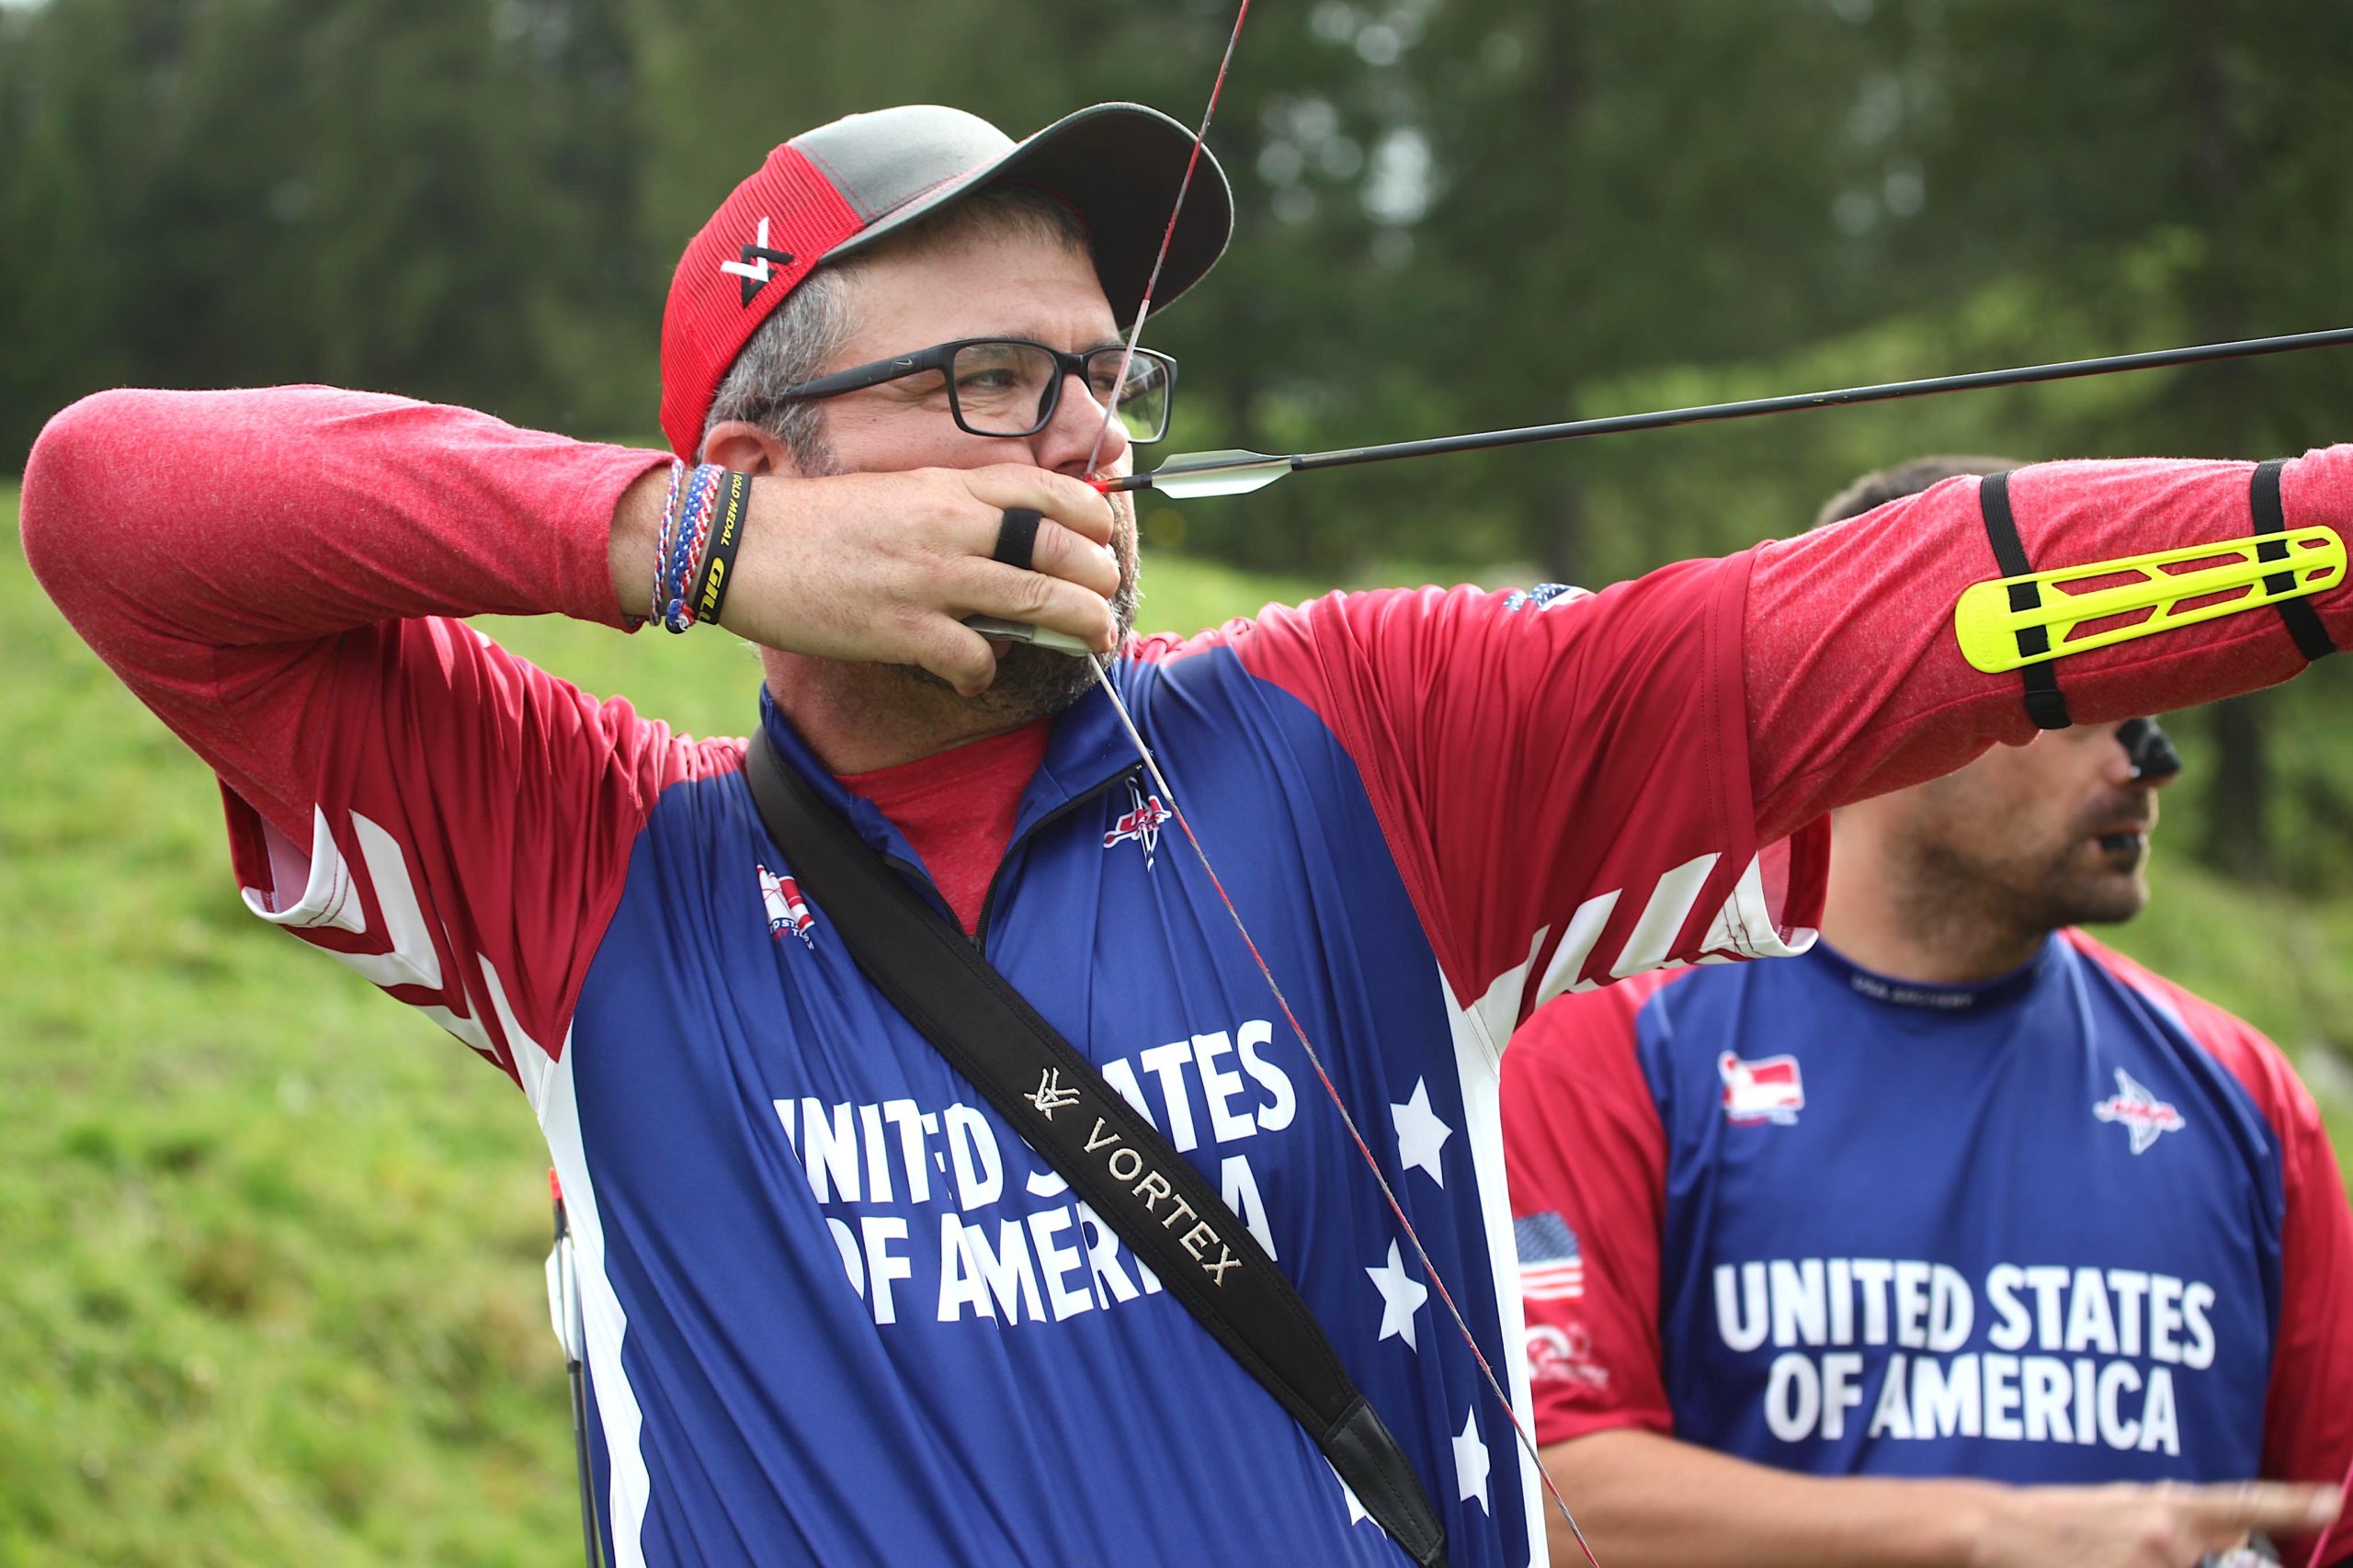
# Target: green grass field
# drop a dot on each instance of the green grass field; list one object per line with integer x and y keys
{"x": 270, "y": 1245}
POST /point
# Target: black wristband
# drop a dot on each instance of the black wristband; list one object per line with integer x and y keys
{"x": 734, "y": 505}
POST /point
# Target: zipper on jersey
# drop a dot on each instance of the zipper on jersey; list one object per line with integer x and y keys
{"x": 922, "y": 879}
{"x": 1005, "y": 863}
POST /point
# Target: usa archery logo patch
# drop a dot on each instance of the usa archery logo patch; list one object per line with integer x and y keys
{"x": 1563, "y": 1354}
{"x": 787, "y": 910}
{"x": 1141, "y": 822}
{"x": 1768, "y": 1090}
{"x": 2141, "y": 1113}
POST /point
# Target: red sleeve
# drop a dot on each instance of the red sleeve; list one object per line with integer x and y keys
{"x": 269, "y": 572}
{"x": 2308, "y": 1406}
{"x": 1563, "y": 782}
{"x": 1583, "y": 1141}
{"x": 1856, "y": 685}
{"x": 1579, "y": 792}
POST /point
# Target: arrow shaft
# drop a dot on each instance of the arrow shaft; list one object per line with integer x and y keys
{"x": 1884, "y": 392}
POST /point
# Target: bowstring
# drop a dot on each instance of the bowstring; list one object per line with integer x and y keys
{"x": 1102, "y": 674}
{"x": 1486, "y": 1370}
{"x": 1167, "y": 238}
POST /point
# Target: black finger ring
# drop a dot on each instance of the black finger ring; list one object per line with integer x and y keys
{"x": 1017, "y": 536}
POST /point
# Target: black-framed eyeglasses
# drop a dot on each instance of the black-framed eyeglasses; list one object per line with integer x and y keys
{"x": 1009, "y": 386}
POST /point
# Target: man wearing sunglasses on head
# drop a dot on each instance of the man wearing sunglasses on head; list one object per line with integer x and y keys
{"x": 836, "y": 1309}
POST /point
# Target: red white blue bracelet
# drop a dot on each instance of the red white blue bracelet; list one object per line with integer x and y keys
{"x": 685, "y": 536}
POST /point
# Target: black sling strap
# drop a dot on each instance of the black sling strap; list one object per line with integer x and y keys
{"x": 2044, "y": 704}
{"x": 2304, "y": 622}
{"x": 1149, "y": 1194}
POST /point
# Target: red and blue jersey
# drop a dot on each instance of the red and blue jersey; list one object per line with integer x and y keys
{"x": 819, "y": 1268}
{"x": 834, "y": 1310}
{"x": 2074, "y": 1224}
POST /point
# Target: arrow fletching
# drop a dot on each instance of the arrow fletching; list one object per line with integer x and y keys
{"x": 2031, "y": 620}
{"x": 1191, "y": 475}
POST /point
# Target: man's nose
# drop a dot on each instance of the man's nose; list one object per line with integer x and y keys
{"x": 1070, "y": 436}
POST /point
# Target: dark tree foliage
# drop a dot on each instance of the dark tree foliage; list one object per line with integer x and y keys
{"x": 1454, "y": 214}
{"x": 435, "y": 197}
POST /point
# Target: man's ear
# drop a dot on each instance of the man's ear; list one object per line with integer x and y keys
{"x": 742, "y": 447}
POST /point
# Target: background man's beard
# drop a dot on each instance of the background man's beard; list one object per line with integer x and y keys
{"x": 2063, "y": 899}
{"x": 2076, "y": 898}
{"x": 2070, "y": 892}
{"x": 1959, "y": 901}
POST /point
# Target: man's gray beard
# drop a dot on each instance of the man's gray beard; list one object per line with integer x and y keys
{"x": 1031, "y": 682}
{"x": 1037, "y": 683}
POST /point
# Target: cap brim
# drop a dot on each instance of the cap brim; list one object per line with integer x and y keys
{"x": 1120, "y": 167}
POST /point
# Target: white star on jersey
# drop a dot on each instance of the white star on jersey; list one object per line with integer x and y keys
{"x": 1400, "y": 1297}
{"x": 1420, "y": 1134}
{"x": 1357, "y": 1514}
{"x": 1471, "y": 1462}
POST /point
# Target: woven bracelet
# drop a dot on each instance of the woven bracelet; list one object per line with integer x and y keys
{"x": 664, "y": 534}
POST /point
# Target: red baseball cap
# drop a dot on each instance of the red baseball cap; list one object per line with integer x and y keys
{"x": 828, "y": 192}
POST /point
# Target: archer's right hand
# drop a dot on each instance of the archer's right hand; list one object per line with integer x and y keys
{"x": 883, "y": 567}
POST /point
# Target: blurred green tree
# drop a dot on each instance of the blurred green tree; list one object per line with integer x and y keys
{"x": 2154, "y": 170}
{"x": 1453, "y": 213}
{"x": 435, "y": 197}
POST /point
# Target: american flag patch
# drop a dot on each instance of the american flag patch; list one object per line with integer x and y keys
{"x": 1552, "y": 1268}
{"x": 1544, "y": 595}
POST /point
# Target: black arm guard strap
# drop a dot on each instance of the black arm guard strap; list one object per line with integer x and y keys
{"x": 2044, "y": 704}
{"x": 2304, "y": 622}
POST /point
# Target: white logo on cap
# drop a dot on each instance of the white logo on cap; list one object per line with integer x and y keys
{"x": 755, "y": 263}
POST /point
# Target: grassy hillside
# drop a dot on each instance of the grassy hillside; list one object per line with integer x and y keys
{"x": 269, "y": 1246}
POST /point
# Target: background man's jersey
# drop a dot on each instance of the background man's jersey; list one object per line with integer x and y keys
{"x": 836, "y": 1311}
{"x": 2071, "y": 1226}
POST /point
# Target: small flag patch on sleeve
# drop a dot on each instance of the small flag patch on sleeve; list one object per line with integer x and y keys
{"x": 1552, "y": 1268}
